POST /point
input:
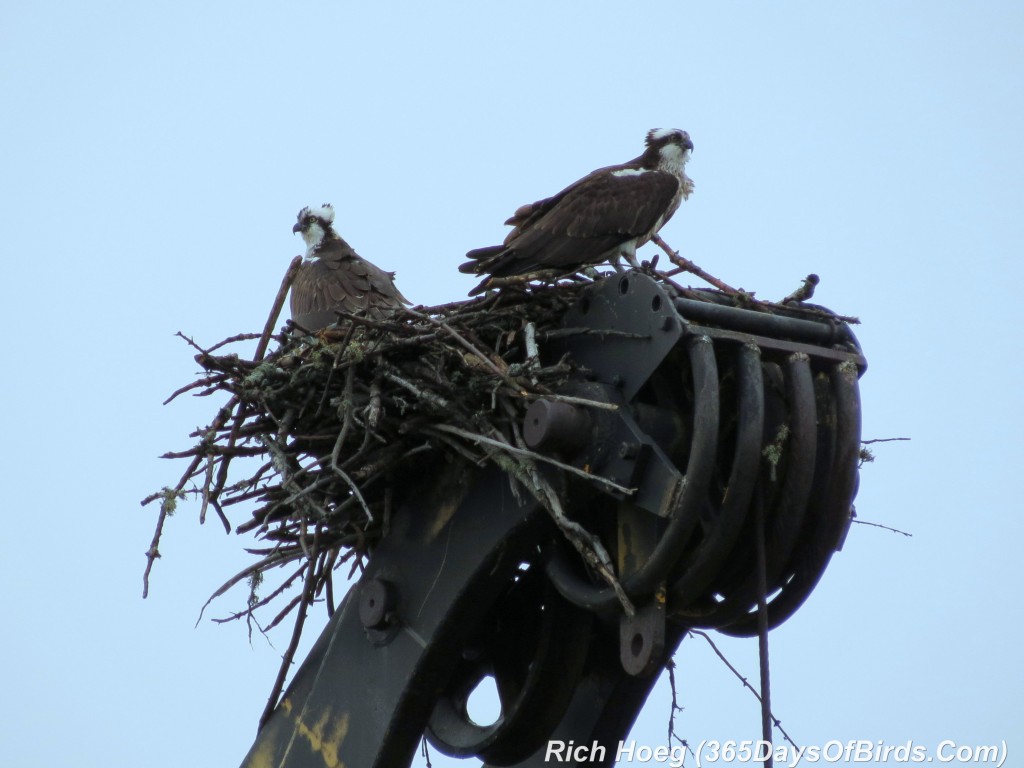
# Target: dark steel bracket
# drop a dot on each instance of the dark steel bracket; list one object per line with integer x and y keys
{"x": 364, "y": 694}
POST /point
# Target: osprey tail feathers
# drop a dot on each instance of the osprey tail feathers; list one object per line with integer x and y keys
{"x": 479, "y": 256}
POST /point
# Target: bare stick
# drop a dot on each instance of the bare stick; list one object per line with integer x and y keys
{"x": 273, "y": 560}
{"x": 883, "y": 527}
{"x": 214, "y": 381}
{"x": 354, "y": 488}
{"x": 430, "y": 397}
{"x": 170, "y": 500}
{"x": 586, "y": 543}
{"x": 575, "y": 401}
{"x": 172, "y": 494}
{"x": 543, "y": 275}
{"x": 530, "y": 337}
{"x": 675, "y": 707}
{"x": 254, "y": 604}
{"x": 692, "y": 268}
{"x": 275, "y": 310}
{"x": 531, "y": 455}
{"x": 742, "y": 679}
{"x": 289, "y": 654}
{"x": 485, "y": 359}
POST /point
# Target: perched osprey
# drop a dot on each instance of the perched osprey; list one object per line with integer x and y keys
{"x": 334, "y": 277}
{"x": 605, "y": 215}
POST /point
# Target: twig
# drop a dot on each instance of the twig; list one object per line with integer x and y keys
{"x": 692, "y": 268}
{"x": 170, "y": 501}
{"x": 586, "y": 543}
{"x": 532, "y": 455}
{"x": 289, "y": 654}
{"x": 530, "y": 340}
{"x": 485, "y": 359}
{"x": 430, "y": 397}
{"x": 742, "y": 679}
{"x": 254, "y": 604}
{"x": 883, "y": 527}
{"x": 867, "y": 455}
{"x": 543, "y": 275}
{"x": 218, "y": 379}
{"x": 273, "y": 560}
{"x": 275, "y": 310}
{"x": 574, "y": 400}
{"x": 674, "y": 707}
{"x": 346, "y": 339}
{"x": 355, "y": 490}
{"x": 232, "y": 340}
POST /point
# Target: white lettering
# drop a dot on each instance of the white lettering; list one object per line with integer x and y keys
{"x": 780, "y": 755}
{"x": 624, "y": 753}
{"x": 554, "y": 751}
{"x": 941, "y": 753}
{"x": 986, "y": 754}
{"x": 862, "y": 750}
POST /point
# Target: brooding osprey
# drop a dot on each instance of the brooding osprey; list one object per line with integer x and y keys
{"x": 605, "y": 215}
{"x": 334, "y": 277}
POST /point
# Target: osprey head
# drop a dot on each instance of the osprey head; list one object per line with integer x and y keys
{"x": 671, "y": 147}
{"x": 314, "y": 224}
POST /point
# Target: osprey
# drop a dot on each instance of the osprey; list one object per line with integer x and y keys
{"x": 334, "y": 277}
{"x": 605, "y": 215}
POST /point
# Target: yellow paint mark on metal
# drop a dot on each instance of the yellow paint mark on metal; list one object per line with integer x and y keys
{"x": 438, "y": 505}
{"x": 443, "y": 515}
{"x": 325, "y": 736}
{"x": 263, "y": 757}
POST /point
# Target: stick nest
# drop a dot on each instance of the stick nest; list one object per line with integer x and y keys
{"x": 323, "y": 437}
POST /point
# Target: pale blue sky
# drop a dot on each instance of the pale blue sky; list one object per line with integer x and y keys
{"x": 152, "y": 160}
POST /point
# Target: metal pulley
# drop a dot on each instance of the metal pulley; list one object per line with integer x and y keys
{"x": 770, "y": 416}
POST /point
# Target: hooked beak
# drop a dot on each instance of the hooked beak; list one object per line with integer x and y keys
{"x": 297, "y": 228}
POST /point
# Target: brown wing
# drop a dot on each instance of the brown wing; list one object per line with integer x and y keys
{"x": 527, "y": 214}
{"x": 341, "y": 280}
{"x": 581, "y": 225}
{"x": 524, "y": 216}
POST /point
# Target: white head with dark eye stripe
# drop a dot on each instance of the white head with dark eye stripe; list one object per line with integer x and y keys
{"x": 668, "y": 148}
{"x": 314, "y": 224}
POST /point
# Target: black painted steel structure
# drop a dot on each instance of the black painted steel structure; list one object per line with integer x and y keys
{"x": 716, "y": 417}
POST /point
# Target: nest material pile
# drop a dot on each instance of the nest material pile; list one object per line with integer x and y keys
{"x": 325, "y": 435}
